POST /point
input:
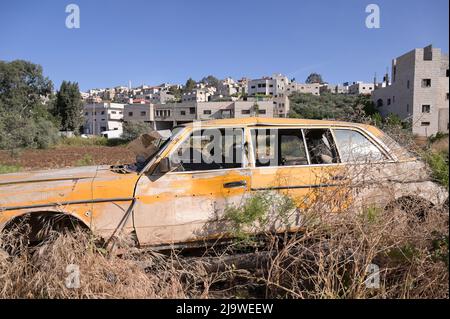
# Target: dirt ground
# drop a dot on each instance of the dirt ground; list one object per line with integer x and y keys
{"x": 61, "y": 157}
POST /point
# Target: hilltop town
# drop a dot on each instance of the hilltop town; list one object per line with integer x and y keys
{"x": 415, "y": 91}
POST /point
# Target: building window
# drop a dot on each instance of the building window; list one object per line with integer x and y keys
{"x": 192, "y": 110}
{"x": 143, "y": 113}
{"x": 103, "y": 112}
{"x": 426, "y": 83}
{"x": 207, "y": 112}
{"x": 407, "y": 84}
{"x": 446, "y": 96}
{"x": 426, "y": 108}
{"x": 425, "y": 124}
{"x": 130, "y": 113}
{"x": 388, "y": 101}
{"x": 86, "y": 113}
{"x": 447, "y": 73}
{"x": 261, "y": 111}
{"x": 183, "y": 112}
{"x": 113, "y": 112}
{"x": 379, "y": 102}
{"x": 245, "y": 111}
{"x": 407, "y": 108}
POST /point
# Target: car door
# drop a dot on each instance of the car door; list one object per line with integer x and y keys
{"x": 186, "y": 204}
{"x": 297, "y": 162}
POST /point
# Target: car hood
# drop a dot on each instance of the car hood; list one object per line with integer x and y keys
{"x": 65, "y": 185}
{"x": 77, "y": 173}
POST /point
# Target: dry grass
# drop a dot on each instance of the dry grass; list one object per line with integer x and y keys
{"x": 331, "y": 258}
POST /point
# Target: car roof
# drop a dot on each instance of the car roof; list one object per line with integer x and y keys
{"x": 255, "y": 121}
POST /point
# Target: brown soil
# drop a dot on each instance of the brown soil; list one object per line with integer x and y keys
{"x": 60, "y": 157}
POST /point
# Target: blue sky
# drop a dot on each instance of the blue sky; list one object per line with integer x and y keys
{"x": 168, "y": 41}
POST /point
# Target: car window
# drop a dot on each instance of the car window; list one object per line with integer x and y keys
{"x": 354, "y": 147}
{"x": 279, "y": 147}
{"x": 321, "y": 147}
{"x": 209, "y": 149}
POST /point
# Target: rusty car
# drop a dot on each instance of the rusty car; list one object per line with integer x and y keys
{"x": 178, "y": 188}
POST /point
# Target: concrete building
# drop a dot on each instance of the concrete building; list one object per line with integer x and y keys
{"x": 166, "y": 116}
{"x": 357, "y": 88}
{"x": 202, "y": 94}
{"x": 312, "y": 88}
{"x": 268, "y": 85}
{"x": 101, "y": 117}
{"x": 419, "y": 91}
{"x": 334, "y": 88}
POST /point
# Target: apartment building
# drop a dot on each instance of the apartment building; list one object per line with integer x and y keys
{"x": 268, "y": 85}
{"x": 359, "y": 87}
{"x": 312, "y": 88}
{"x": 334, "y": 88}
{"x": 201, "y": 94}
{"x": 166, "y": 116}
{"x": 419, "y": 91}
{"x": 100, "y": 117}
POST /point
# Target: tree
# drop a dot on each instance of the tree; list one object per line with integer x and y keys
{"x": 210, "y": 80}
{"x": 190, "y": 85}
{"x": 132, "y": 130}
{"x": 69, "y": 106}
{"x": 314, "y": 78}
{"x": 25, "y": 120}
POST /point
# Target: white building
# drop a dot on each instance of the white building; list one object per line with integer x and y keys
{"x": 268, "y": 85}
{"x": 359, "y": 87}
{"x": 101, "y": 117}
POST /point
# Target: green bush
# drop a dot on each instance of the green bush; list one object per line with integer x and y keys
{"x": 132, "y": 130}
{"x": 5, "y": 169}
{"x": 87, "y": 160}
{"x": 438, "y": 162}
{"x": 81, "y": 141}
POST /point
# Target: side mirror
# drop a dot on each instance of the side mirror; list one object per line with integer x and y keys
{"x": 164, "y": 165}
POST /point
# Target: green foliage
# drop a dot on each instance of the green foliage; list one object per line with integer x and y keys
{"x": 87, "y": 160}
{"x": 314, "y": 78}
{"x": 176, "y": 92}
{"x": 132, "y": 130}
{"x": 210, "y": 80}
{"x": 437, "y": 137}
{"x": 190, "y": 85}
{"x": 327, "y": 106}
{"x": 256, "y": 212}
{"x": 69, "y": 107}
{"x": 81, "y": 141}
{"x": 5, "y": 169}
{"x": 25, "y": 120}
{"x": 440, "y": 249}
{"x": 438, "y": 162}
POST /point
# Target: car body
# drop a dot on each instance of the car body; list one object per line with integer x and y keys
{"x": 171, "y": 201}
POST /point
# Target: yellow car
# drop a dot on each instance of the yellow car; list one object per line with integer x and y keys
{"x": 178, "y": 190}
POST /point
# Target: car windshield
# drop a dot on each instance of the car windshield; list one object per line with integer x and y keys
{"x": 147, "y": 145}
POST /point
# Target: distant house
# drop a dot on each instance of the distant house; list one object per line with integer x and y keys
{"x": 99, "y": 117}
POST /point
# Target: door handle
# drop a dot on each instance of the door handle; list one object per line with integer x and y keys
{"x": 337, "y": 177}
{"x": 235, "y": 184}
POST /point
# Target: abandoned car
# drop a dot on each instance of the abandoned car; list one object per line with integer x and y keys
{"x": 177, "y": 191}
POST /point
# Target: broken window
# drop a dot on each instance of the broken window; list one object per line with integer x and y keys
{"x": 354, "y": 147}
{"x": 210, "y": 149}
{"x": 321, "y": 147}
